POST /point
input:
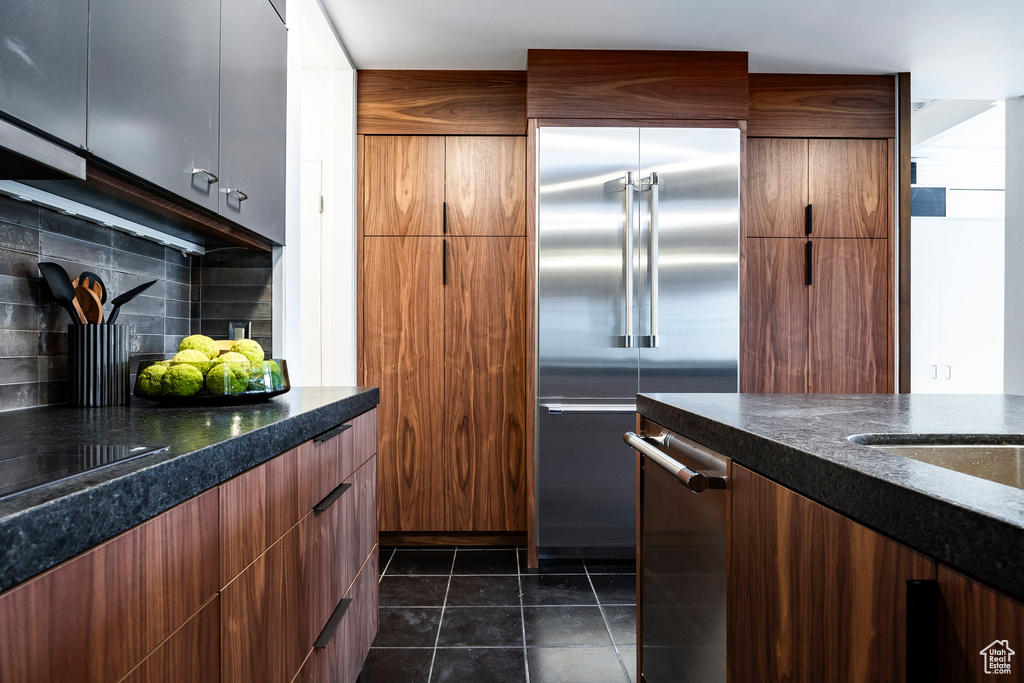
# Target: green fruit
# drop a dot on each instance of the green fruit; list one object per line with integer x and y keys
{"x": 249, "y": 348}
{"x": 150, "y": 380}
{"x": 228, "y": 378}
{"x": 232, "y": 357}
{"x": 266, "y": 376}
{"x": 189, "y": 356}
{"x": 182, "y": 380}
{"x": 201, "y": 343}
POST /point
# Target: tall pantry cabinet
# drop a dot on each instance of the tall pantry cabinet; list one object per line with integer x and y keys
{"x": 442, "y": 281}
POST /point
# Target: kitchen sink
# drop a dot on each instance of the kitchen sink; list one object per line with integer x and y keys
{"x": 998, "y": 458}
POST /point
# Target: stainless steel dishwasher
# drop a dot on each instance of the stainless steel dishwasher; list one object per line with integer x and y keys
{"x": 682, "y": 504}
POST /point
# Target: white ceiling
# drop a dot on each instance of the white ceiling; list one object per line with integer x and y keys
{"x": 953, "y": 48}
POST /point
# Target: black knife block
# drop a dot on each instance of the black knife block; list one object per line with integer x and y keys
{"x": 99, "y": 370}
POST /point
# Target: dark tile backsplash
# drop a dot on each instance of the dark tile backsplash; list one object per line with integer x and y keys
{"x": 200, "y": 294}
{"x": 233, "y": 285}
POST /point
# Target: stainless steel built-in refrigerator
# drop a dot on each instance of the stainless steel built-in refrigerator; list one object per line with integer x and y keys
{"x": 638, "y": 291}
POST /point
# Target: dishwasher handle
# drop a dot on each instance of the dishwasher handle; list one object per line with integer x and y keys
{"x": 697, "y": 482}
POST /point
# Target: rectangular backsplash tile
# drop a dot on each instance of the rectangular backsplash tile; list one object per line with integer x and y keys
{"x": 233, "y": 285}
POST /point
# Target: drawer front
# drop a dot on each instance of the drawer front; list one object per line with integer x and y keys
{"x": 364, "y": 443}
{"x": 95, "y": 617}
{"x": 342, "y": 659}
{"x": 360, "y": 520}
{"x": 257, "y": 508}
{"x": 191, "y": 655}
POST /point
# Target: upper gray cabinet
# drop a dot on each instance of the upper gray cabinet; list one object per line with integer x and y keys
{"x": 279, "y": 6}
{"x": 154, "y": 70}
{"x": 43, "y": 57}
{"x": 253, "y": 116}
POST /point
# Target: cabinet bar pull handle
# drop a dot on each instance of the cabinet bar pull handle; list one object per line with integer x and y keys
{"x": 211, "y": 178}
{"x": 698, "y": 482}
{"x": 809, "y": 219}
{"x": 325, "y": 636}
{"x": 922, "y": 631}
{"x": 235, "y": 191}
{"x": 331, "y": 498}
{"x": 652, "y": 260}
{"x": 627, "y": 261}
{"x": 332, "y": 432}
{"x": 444, "y": 263}
{"x": 444, "y": 217}
{"x": 810, "y": 263}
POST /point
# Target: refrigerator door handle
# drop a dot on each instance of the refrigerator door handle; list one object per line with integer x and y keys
{"x": 566, "y": 408}
{"x": 651, "y": 184}
{"x": 627, "y": 261}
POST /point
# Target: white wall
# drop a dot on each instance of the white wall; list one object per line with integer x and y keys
{"x": 1013, "y": 366}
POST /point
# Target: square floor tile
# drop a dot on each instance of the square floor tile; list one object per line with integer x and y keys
{"x": 396, "y": 666}
{"x": 557, "y": 589}
{"x": 615, "y": 589}
{"x": 413, "y": 591}
{"x": 483, "y": 591}
{"x": 481, "y": 626}
{"x": 486, "y": 562}
{"x": 611, "y": 566}
{"x": 490, "y": 665}
{"x": 421, "y": 562}
{"x": 567, "y": 566}
{"x": 574, "y": 665}
{"x": 628, "y": 657}
{"x": 565, "y": 626}
{"x": 407, "y": 627}
{"x": 622, "y": 623}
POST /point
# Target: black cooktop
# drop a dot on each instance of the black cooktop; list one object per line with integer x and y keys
{"x": 24, "y": 467}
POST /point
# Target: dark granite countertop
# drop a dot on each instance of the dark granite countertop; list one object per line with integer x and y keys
{"x": 800, "y": 441}
{"x": 41, "y": 527}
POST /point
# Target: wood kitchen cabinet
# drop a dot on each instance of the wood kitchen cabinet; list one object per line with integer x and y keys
{"x": 813, "y": 595}
{"x": 816, "y": 282}
{"x": 443, "y": 268}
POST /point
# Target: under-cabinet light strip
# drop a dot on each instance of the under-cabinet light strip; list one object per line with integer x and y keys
{"x": 27, "y": 193}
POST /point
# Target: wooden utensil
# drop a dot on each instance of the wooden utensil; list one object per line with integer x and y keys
{"x": 89, "y": 303}
{"x": 95, "y": 283}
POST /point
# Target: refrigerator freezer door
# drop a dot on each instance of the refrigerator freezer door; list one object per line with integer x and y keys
{"x": 581, "y": 274}
{"x": 697, "y": 295}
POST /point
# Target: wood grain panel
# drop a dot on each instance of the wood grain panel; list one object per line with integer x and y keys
{"x": 776, "y": 189}
{"x": 532, "y": 560}
{"x": 641, "y": 84}
{"x": 822, "y": 106}
{"x": 343, "y": 657}
{"x": 848, "y": 313}
{"x": 441, "y": 102}
{"x": 774, "y": 330}
{"x": 267, "y": 619}
{"x": 403, "y": 185}
{"x": 971, "y": 617}
{"x": 359, "y": 523}
{"x": 813, "y": 596}
{"x": 903, "y": 229}
{"x": 259, "y": 506}
{"x": 96, "y": 616}
{"x": 459, "y": 538}
{"x": 364, "y": 442}
{"x": 485, "y": 317}
{"x": 320, "y": 468}
{"x": 847, "y": 187}
{"x": 485, "y": 185}
{"x": 403, "y": 353}
{"x": 190, "y": 655}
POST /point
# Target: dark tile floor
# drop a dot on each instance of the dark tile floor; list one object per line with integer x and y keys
{"x": 479, "y": 615}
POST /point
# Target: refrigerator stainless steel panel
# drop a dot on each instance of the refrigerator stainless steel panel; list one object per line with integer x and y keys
{"x": 690, "y": 221}
{"x": 581, "y": 288}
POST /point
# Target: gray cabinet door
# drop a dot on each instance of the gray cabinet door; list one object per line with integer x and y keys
{"x": 43, "y": 57}
{"x": 253, "y": 126}
{"x": 153, "y": 91}
{"x": 279, "y": 5}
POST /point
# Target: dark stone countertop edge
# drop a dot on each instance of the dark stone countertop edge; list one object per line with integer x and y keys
{"x": 42, "y": 536}
{"x": 970, "y": 541}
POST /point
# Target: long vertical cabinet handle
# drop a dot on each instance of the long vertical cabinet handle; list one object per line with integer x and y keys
{"x": 444, "y": 262}
{"x": 444, "y": 217}
{"x": 652, "y": 260}
{"x": 922, "y": 631}
{"x": 810, "y": 263}
{"x": 627, "y": 259}
{"x": 809, "y": 219}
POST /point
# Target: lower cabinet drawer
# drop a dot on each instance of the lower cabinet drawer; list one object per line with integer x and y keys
{"x": 191, "y": 655}
{"x": 341, "y": 658}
